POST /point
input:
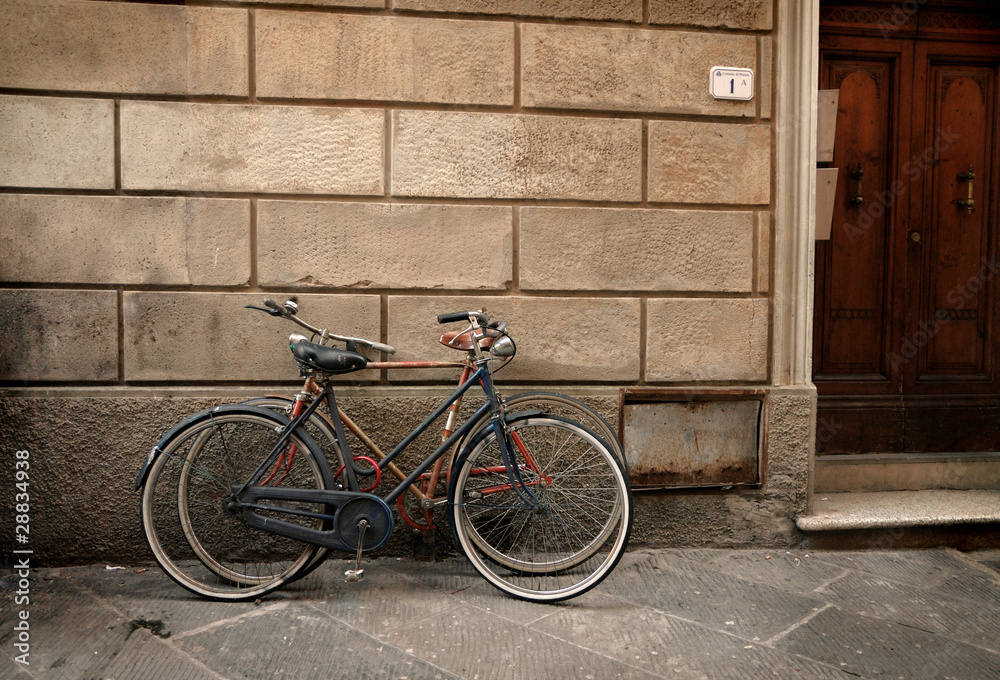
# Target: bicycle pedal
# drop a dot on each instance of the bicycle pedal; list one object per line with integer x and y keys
{"x": 354, "y": 575}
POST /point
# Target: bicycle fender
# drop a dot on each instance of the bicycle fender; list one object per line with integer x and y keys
{"x": 157, "y": 450}
{"x": 478, "y": 436}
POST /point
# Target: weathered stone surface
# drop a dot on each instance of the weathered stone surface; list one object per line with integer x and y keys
{"x": 282, "y": 149}
{"x": 635, "y": 249}
{"x": 609, "y": 10}
{"x": 383, "y": 245}
{"x": 59, "y": 143}
{"x": 704, "y": 339}
{"x": 557, "y": 338}
{"x": 122, "y": 47}
{"x": 745, "y": 14}
{"x": 98, "y": 239}
{"x": 766, "y": 60}
{"x": 58, "y": 335}
{"x": 709, "y": 163}
{"x": 210, "y": 336}
{"x": 488, "y": 155}
{"x": 325, "y": 3}
{"x": 580, "y": 67}
{"x": 384, "y": 58}
{"x": 763, "y": 251}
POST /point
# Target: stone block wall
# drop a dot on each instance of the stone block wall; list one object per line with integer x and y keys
{"x": 162, "y": 161}
{"x": 561, "y": 164}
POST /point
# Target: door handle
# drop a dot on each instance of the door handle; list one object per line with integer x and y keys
{"x": 858, "y": 199}
{"x": 968, "y": 203}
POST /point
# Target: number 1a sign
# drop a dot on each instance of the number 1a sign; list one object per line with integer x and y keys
{"x": 731, "y": 83}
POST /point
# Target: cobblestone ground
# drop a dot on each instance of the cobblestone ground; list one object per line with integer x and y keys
{"x": 661, "y": 614}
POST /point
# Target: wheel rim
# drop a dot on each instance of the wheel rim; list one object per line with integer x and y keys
{"x": 222, "y": 558}
{"x": 568, "y": 544}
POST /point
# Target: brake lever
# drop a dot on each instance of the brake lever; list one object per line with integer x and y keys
{"x": 272, "y": 312}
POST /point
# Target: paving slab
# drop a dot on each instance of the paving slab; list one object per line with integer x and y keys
{"x": 384, "y": 601}
{"x": 471, "y": 642}
{"x": 871, "y": 647}
{"x": 148, "y": 595}
{"x": 717, "y": 600}
{"x": 669, "y": 646}
{"x": 926, "y": 609}
{"x": 301, "y": 642}
{"x": 795, "y": 570}
{"x": 916, "y": 567}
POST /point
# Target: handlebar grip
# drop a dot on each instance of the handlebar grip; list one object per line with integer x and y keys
{"x": 453, "y": 317}
{"x": 268, "y": 302}
{"x": 388, "y": 349}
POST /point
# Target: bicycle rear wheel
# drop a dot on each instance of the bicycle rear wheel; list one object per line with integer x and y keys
{"x": 566, "y": 539}
{"x": 322, "y": 432}
{"x": 197, "y": 539}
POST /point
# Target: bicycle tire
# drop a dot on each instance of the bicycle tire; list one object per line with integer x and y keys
{"x": 564, "y": 545}
{"x": 553, "y": 403}
{"x": 205, "y": 548}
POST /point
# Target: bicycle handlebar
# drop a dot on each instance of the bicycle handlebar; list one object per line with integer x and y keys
{"x": 274, "y": 309}
{"x": 452, "y": 317}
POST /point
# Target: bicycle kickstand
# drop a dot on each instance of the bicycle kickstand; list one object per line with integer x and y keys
{"x": 357, "y": 573}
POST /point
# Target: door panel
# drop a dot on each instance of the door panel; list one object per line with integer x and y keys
{"x": 853, "y": 262}
{"x": 905, "y": 347}
{"x": 954, "y": 293}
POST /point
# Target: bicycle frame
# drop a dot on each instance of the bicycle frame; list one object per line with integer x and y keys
{"x": 336, "y": 497}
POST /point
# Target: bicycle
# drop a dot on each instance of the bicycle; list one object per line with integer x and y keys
{"x": 238, "y": 500}
{"x": 419, "y": 515}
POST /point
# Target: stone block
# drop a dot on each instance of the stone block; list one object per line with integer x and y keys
{"x": 122, "y": 47}
{"x": 603, "y": 10}
{"x": 58, "y": 335}
{"x": 558, "y": 339}
{"x": 56, "y": 142}
{"x": 709, "y": 163}
{"x": 117, "y": 240}
{"x": 627, "y": 69}
{"x": 325, "y": 3}
{"x": 764, "y": 76}
{"x": 690, "y": 339}
{"x": 763, "y": 251}
{"x": 383, "y": 245}
{"x": 752, "y": 15}
{"x": 328, "y": 56}
{"x": 635, "y": 249}
{"x": 280, "y": 149}
{"x": 210, "y": 336}
{"x": 488, "y": 155}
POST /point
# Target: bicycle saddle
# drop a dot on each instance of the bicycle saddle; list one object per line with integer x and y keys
{"x": 328, "y": 359}
{"x": 462, "y": 340}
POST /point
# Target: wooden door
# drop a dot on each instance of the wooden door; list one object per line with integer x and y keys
{"x": 905, "y": 352}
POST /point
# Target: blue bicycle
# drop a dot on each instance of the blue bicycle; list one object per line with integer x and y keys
{"x": 239, "y": 500}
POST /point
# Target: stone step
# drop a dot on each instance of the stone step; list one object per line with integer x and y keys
{"x": 901, "y": 509}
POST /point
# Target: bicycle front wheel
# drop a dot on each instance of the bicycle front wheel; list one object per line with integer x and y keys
{"x": 561, "y": 528}
{"x": 197, "y": 535}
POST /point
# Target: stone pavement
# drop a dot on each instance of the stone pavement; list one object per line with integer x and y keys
{"x": 661, "y": 614}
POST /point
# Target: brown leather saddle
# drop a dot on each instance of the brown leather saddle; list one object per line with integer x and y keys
{"x": 463, "y": 340}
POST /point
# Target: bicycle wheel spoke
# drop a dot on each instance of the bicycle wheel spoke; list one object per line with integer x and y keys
{"x": 189, "y": 510}
{"x": 570, "y": 538}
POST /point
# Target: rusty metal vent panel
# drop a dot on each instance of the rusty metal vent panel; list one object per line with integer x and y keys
{"x": 693, "y": 442}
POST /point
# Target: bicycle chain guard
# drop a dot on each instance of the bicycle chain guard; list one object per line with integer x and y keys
{"x": 379, "y": 519}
